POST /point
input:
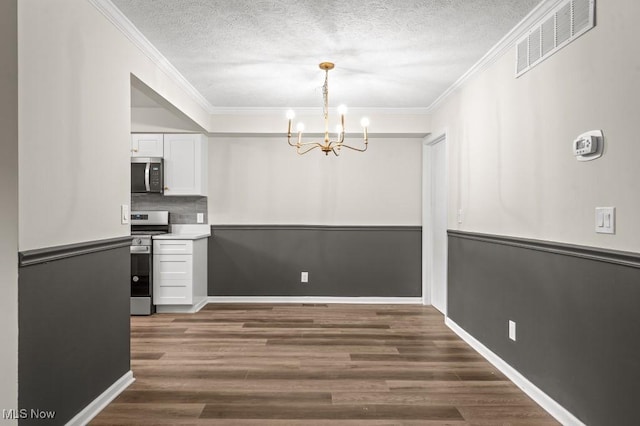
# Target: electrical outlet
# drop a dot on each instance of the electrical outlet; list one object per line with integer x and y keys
{"x": 512, "y": 330}
{"x": 304, "y": 277}
{"x": 124, "y": 214}
{"x": 200, "y": 218}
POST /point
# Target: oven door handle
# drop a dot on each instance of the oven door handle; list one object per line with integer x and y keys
{"x": 140, "y": 249}
{"x": 147, "y": 184}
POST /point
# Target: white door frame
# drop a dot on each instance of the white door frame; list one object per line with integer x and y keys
{"x": 427, "y": 216}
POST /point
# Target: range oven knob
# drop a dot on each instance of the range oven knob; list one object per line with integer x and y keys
{"x": 137, "y": 241}
{"x": 135, "y": 279}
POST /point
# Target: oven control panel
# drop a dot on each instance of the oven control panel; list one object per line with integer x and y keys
{"x": 150, "y": 217}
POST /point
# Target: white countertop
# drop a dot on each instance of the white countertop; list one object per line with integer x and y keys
{"x": 174, "y": 236}
{"x": 186, "y": 232}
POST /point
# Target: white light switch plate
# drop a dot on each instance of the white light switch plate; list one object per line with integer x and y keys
{"x": 304, "y": 277}
{"x": 124, "y": 214}
{"x": 606, "y": 220}
{"x": 512, "y": 330}
{"x": 200, "y": 218}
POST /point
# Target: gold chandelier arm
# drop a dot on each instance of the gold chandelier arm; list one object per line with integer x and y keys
{"x": 366, "y": 145}
{"x": 308, "y": 143}
{"x": 315, "y": 145}
{"x": 289, "y": 140}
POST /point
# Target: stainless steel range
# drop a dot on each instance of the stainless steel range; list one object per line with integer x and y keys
{"x": 144, "y": 225}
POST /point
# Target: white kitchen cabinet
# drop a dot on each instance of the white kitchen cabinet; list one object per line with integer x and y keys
{"x": 185, "y": 164}
{"x": 172, "y": 246}
{"x": 179, "y": 274}
{"x": 173, "y": 279}
{"x": 147, "y": 145}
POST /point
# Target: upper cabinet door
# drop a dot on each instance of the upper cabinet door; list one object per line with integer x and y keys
{"x": 185, "y": 164}
{"x": 147, "y": 145}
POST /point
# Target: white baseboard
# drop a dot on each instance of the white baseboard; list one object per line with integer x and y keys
{"x": 98, "y": 404}
{"x": 201, "y": 304}
{"x": 317, "y": 299}
{"x": 182, "y": 309}
{"x": 177, "y": 309}
{"x": 552, "y": 407}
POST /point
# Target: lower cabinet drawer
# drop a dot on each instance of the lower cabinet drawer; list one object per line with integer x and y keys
{"x": 175, "y": 293}
{"x": 172, "y": 279}
{"x": 172, "y": 247}
{"x": 167, "y": 267}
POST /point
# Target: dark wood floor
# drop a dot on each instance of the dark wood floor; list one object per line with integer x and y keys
{"x": 312, "y": 364}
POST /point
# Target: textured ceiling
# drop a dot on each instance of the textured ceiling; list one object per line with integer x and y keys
{"x": 265, "y": 53}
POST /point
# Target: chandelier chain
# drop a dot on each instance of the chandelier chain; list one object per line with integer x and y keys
{"x": 325, "y": 95}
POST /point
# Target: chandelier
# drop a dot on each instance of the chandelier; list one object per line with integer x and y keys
{"x": 327, "y": 145}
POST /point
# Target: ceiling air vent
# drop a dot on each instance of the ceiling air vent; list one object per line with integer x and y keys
{"x": 568, "y": 21}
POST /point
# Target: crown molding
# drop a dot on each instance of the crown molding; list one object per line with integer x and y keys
{"x": 500, "y": 48}
{"x": 126, "y": 27}
{"x": 314, "y": 111}
{"x": 318, "y": 135}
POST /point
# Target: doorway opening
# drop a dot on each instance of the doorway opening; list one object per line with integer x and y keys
{"x": 434, "y": 223}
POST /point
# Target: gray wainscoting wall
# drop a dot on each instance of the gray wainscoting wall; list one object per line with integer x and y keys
{"x": 367, "y": 261}
{"x": 182, "y": 209}
{"x": 577, "y": 314}
{"x": 73, "y": 318}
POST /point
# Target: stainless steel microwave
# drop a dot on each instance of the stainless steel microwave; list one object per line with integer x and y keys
{"x": 147, "y": 175}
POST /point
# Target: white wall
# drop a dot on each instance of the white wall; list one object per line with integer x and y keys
{"x": 257, "y": 180}
{"x": 270, "y": 122}
{"x": 9, "y": 207}
{"x": 511, "y": 166}
{"x": 160, "y": 120}
{"x": 75, "y": 121}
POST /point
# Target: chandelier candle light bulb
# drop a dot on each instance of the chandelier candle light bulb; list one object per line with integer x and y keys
{"x": 327, "y": 145}
{"x": 365, "y": 123}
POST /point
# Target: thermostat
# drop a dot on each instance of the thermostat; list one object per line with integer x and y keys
{"x": 588, "y": 146}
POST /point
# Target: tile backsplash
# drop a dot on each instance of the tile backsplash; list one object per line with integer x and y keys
{"x": 182, "y": 209}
